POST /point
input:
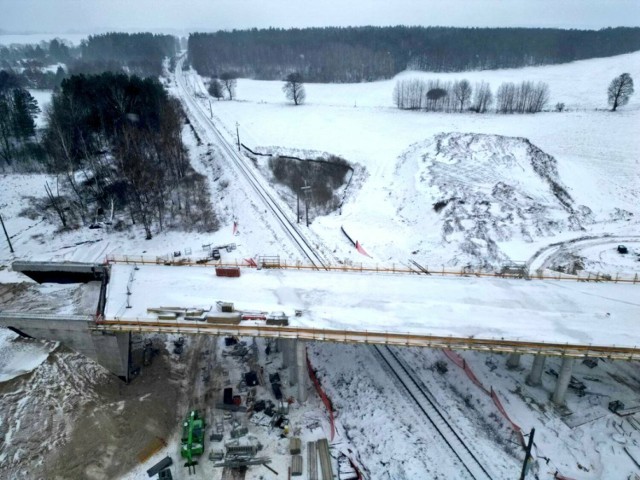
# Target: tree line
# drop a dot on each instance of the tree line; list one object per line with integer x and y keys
{"x": 355, "y": 54}
{"x": 115, "y": 143}
{"x": 461, "y": 96}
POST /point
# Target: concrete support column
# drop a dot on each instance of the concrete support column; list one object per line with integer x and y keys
{"x": 513, "y": 361}
{"x": 564, "y": 377}
{"x": 303, "y": 373}
{"x": 283, "y": 347}
{"x": 535, "y": 376}
{"x": 293, "y": 363}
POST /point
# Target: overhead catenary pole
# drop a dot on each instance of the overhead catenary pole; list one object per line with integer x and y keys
{"x": 306, "y": 190}
{"x": 527, "y": 455}
{"x": 238, "y": 135}
{"x": 6, "y": 234}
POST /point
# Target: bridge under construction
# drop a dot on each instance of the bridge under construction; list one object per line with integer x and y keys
{"x": 540, "y": 317}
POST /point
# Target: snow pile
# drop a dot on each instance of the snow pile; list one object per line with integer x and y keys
{"x": 481, "y": 189}
{"x": 18, "y": 357}
{"x": 38, "y": 410}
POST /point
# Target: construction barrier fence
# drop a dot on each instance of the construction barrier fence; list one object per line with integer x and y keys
{"x": 323, "y": 396}
{"x": 460, "y": 362}
{"x": 633, "y": 279}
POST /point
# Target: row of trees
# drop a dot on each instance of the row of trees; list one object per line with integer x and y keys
{"x": 460, "y": 96}
{"x": 115, "y": 142}
{"x": 355, "y": 54}
{"x": 18, "y": 110}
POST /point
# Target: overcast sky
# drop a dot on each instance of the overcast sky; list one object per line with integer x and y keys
{"x": 86, "y": 16}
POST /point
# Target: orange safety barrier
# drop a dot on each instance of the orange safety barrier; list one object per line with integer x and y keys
{"x": 393, "y": 269}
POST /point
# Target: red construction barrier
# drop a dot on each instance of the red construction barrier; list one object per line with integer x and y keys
{"x": 516, "y": 427}
{"x": 454, "y": 357}
{"x": 361, "y": 250}
{"x": 323, "y": 396}
{"x": 558, "y": 476}
{"x": 461, "y": 362}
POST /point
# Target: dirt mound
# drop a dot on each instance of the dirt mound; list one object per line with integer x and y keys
{"x": 485, "y": 189}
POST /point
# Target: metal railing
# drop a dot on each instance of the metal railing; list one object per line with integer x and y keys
{"x": 633, "y": 279}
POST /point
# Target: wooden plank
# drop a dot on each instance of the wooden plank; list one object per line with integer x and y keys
{"x": 325, "y": 459}
{"x": 312, "y": 461}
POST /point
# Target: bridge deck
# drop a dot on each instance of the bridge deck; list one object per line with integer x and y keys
{"x": 468, "y": 310}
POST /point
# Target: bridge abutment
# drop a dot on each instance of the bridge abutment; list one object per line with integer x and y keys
{"x": 109, "y": 349}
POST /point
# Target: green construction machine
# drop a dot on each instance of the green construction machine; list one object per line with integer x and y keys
{"x": 192, "y": 439}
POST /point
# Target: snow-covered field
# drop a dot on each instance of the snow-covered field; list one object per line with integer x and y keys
{"x": 596, "y": 151}
{"x": 594, "y": 155}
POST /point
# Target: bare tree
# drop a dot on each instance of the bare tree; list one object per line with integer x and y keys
{"x": 483, "y": 98}
{"x": 620, "y": 89}
{"x": 294, "y": 88}
{"x": 229, "y": 83}
{"x": 462, "y": 93}
{"x": 539, "y": 98}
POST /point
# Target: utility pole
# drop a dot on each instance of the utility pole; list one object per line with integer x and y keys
{"x": 306, "y": 190}
{"x": 298, "y": 200}
{"x": 6, "y": 234}
{"x": 527, "y": 455}
{"x": 238, "y": 135}
{"x": 210, "y": 110}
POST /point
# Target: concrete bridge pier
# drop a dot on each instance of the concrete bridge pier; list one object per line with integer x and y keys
{"x": 303, "y": 373}
{"x": 564, "y": 377}
{"x": 535, "y": 376}
{"x": 294, "y": 358}
{"x": 513, "y": 361}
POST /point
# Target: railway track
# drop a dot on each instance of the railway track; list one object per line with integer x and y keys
{"x": 288, "y": 226}
{"x": 468, "y": 461}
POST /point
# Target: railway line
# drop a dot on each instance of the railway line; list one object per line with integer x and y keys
{"x": 422, "y": 398}
{"x": 289, "y": 227}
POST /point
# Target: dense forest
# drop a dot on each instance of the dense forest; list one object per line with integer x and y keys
{"x": 115, "y": 143}
{"x": 140, "y": 54}
{"x": 356, "y": 54}
{"x": 136, "y": 53}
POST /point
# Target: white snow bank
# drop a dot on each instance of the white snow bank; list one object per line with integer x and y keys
{"x": 18, "y": 357}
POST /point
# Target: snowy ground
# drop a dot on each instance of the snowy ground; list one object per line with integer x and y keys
{"x": 597, "y": 160}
